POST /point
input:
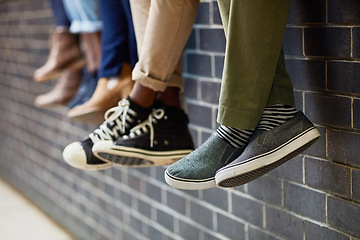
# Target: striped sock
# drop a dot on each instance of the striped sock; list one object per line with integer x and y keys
{"x": 275, "y": 115}
{"x": 234, "y": 137}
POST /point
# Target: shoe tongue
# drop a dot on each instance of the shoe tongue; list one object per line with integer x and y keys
{"x": 142, "y": 113}
{"x": 175, "y": 113}
{"x": 110, "y": 125}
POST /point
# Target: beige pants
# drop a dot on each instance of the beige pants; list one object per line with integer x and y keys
{"x": 162, "y": 28}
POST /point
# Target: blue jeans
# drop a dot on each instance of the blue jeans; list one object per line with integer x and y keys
{"x": 84, "y": 15}
{"x": 118, "y": 42}
{"x": 61, "y": 20}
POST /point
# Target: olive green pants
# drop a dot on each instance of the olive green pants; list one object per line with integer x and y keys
{"x": 254, "y": 74}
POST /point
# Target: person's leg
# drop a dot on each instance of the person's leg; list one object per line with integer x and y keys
{"x": 85, "y": 20}
{"x": 266, "y": 100}
{"x": 60, "y": 17}
{"x": 118, "y": 38}
{"x": 251, "y": 61}
{"x": 65, "y": 58}
{"x": 162, "y": 29}
{"x": 146, "y": 96}
{"x": 163, "y": 137}
{"x": 84, "y": 15}
{"x": 118, "y": 56}
{"x": 140, "y": 9}
{"x": 253, "y": 68}
{"x": 119, "y": 121}
{"x": 160, "y": 45}
{"x": 65, "y": 52}
{"x": 254, "y": 80}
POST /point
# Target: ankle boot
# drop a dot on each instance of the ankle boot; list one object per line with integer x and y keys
{"x": 63, "y": 91}
{"x": 65, "y": 53}
{"x": 107, "y": 94}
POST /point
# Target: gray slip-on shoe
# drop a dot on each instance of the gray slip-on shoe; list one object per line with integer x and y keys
{"x": 268, "y": 150}
{"x": 197, "y": 170}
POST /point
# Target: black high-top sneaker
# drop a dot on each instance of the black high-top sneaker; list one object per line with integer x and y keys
{"x": 119, "y": 121}
{"x": 161, "y": 139}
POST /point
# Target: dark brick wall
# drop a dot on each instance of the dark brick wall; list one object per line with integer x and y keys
{"x": 314, "y": 196}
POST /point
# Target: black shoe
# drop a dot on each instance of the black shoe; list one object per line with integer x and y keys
{"x": 162, "y": 139}
{"x": 268, "y": 150}
{"x": 119, "y": 121}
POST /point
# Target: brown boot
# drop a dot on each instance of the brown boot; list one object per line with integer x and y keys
{"x": 107, "y": 94}
{"x": 63, "y": 91}
{"x": 64, "y": 53}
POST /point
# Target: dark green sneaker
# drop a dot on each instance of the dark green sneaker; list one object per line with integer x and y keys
{"x": 268, "y": 150}
{"x": 197, "y": 170}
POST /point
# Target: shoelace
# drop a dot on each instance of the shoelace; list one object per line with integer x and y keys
{"x": 113, "y": 117}
{"x": 147, "y": 125}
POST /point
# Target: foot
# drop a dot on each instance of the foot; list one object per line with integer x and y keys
{"x": 108, "y": 92}
{"x": 197, "y": 170}
{"x": 267, "y": 150}
{"x": 65, "y": 53}
{"x": 86, "y": 89}
{"x": 162, "y": 139}
{"x": 119, "y": 121}
{"x": 63, "y": 92}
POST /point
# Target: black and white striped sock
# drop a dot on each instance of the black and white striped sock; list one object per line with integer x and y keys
{"x": 233, "y": 136}
{"x": 275, "y": 115}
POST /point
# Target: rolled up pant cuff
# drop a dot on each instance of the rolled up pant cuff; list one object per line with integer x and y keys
{"x": 156, "y": 84}
{"x": 238, "y": 118}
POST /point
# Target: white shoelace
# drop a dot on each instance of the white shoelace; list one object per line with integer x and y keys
{"x": 147, "y": 125}
{"x": 113, "y": 117}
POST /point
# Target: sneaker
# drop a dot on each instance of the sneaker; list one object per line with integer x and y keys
{"x": 197, "y": 170}
{"x": 160, "y": 140}
{"x": 268, "y": 150}
{"x": 119, "y": 121}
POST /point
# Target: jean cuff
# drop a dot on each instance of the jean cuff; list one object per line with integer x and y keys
{"x": 85, "y": 26}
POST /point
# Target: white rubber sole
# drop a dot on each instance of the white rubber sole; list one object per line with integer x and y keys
{"x": 152, "y": 158}
{"x": 267, "y": 158}
{"x": 189, "y": 184}
{"x": 74, "y": 155}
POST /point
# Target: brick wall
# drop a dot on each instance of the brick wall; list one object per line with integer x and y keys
{"x": 314, "y": 196}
